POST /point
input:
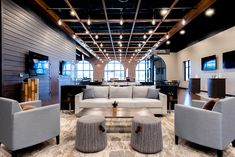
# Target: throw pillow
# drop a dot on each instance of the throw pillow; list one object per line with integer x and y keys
{"x": 153, "y": 93}
{"x": 209, "y": 104}
{"x": 27, "y": 107}
{"x": 88, "y": 93}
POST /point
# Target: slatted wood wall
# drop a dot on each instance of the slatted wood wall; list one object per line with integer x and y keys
{"x": 24, "y": 31}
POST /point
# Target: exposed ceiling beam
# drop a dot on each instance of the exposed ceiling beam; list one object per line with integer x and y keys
{"x": 158, "y": 25}
{"x": 115, "y": 33}
{"x": 106, "y": 17}
{"x": 118, "y": 20}
{"x": 123, "y": 47}
{"x": 78, "y": 18}
{"x": 133, "y": 26}
{"x": 197, "y": 10}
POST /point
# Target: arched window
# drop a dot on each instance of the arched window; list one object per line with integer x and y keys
{"x": 143, "y": 71}
{"x": 114, "y": 69}
{"x": 84, "y": 69}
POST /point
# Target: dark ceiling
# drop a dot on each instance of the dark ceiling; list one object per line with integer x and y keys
{"x": 199, "y": 28}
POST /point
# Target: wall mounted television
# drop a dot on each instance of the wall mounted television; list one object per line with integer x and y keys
{"x": 209, "y": 63}
{"x": 229, "y": 59}
{"x": 38, "y": 64}
{"x": 65, "y": 68}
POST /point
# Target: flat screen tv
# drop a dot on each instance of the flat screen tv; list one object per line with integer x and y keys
{"x": 38, "y": 64}
{"x": 209, "y": 63}
{"x": 229, "y": 60}
{"x": 65, "y": 68}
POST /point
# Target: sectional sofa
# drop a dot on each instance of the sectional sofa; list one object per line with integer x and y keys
{"x": 129, "y": 96}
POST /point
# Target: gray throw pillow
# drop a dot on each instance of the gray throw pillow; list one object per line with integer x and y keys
{"x": 153, "y": 93}
{"x": 88, "y": 93}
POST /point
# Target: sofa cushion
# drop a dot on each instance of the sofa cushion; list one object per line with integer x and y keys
{"x": 153, "y": 93}
{"x": 120, "y": 92}
{"x": 145, "y": 102}
{"x": 140, "y": 91}
{"x": 123, "y": 102}
{"x": 88, "y": 93}
{"x": 100, "y": 91}
{"x": 93, "y": 103}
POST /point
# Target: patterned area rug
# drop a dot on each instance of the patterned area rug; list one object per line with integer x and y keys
{"x": 118, "y": 144}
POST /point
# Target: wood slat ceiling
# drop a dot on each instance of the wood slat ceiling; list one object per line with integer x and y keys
{"x": 137, "y": 16}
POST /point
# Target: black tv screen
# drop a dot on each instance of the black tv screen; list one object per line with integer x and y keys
{"x": 229, "y": 60}
{"x": 38, "y": 64}
{"x": 209, "y": 63}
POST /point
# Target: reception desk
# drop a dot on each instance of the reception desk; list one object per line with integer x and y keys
{"x": 216, "y": 87}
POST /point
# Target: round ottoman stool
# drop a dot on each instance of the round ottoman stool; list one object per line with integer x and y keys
{"x": 90, "y": 134}
{"x": 146, "y": 134}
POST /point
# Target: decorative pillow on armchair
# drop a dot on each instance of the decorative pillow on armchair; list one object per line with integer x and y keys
{"x": 27, "y": 107}
{"x": 153, "y": 93}
{"x": 210, "y": 104}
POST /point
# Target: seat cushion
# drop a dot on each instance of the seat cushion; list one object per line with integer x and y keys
{"x": 100, "y": 91}
{"x": 140, "y": 91}
{"x": 123, "y": 102}
{"x": 145, "y": 102}
{"x": 120, "y": 92}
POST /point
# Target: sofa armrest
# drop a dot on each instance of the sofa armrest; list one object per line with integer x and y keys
{"x": 200, "y": 126}
{"x": 163, "y": 99}
{"x": 198, "y": 103}
{"x": 34, "y": 126}
{"x": 78, "y": 99}
{"x": 36, "y": 103}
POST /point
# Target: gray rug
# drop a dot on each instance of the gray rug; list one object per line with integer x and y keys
{"x": 118, "y": 144}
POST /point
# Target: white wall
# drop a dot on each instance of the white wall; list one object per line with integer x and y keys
{"x": 215, "y": 45}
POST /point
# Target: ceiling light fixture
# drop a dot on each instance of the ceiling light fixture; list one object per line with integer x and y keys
{"x": 94, "y": 42}
{"x": 59, "y": 22}
{"x": 89, "y": 21}
{"x": 120, "y": 50}
{"x": 101, "y": 45}
{"x": 168, "y": 42}
{"x": 167, "y": 36}
{"x": 74, "y": 36}
{"x": 153, "y": 21}
{"x": 119, "y": 42}
{"x": 163, "y": 12}
{"x": 121, "y": 21}
{"x": 120, "y": 36}
{"x": 96, "y": 36}
{"x": 150, "y": 31}
{"x": 182, "y": 32}
{"x": 120, "y": 45}
{"x": 107, "y": 54}
{"x": 139, "y": 45}
{"x": 183, "y": 22}
{"x": 144, "y": 36}
{"x": 87, "y": 32}
{"x": 135, "y": 51}
{"x": 105, "y": 51}
{"x": 209, "y": 12}
{"x": 72, "y": 13}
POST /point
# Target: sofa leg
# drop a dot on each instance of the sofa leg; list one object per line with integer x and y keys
{"x": 219, "y": 153}
{"x": 176, "y": 140}
{"x": 58, "y": 139}
{"x": 233, "y": 143}
{"x": 14, "y": 153}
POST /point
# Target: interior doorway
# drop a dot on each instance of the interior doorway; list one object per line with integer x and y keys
{"x": 160, "y": 66}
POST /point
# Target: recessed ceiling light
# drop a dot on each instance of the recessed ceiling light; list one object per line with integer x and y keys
{"x": 150, "y": 31}
{"x": 121, "y": 21}
{"x": 120, "y": 54}
{"x": 87, "y": 32}
{"x": 144, "y": 42}
{"x": 96, "y": 36}
{"x": 139, "y": 45}
{"x": 153, "y": 21}
{"x": 120, "y": 36}
{"x": 120, "y": 50}
{"x": 101, "y": 45}
{"x": 182, "y": 32}
{"x": 89, "y": 21}
{"x": 94, "y": 42}
{"x": 119, "y": 42}
{"x": 135, "y": 51}
{"x": 209, "y": 12}
{"x": 144, "y": 36}
{"x": 168, "y": 42}
{"x": 167, "y": 36}
{"x": 72, "y": 12}
{"x": 105, "y": 51}
{"x": 74, "y": 36}
{"x": 163, "y": 12}
{"x": 120, "y": 45}
{"x": 59, "y": 22}
{"x": 183, "y": 22}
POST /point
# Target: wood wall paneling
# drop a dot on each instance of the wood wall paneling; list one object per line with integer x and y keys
{"x": 1, "y": 50}
{"x": 24, "y": 31}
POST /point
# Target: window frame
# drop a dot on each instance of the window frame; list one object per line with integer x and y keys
{"x": 83, "y": 70}
{"x": 187, "y": 70}
{"x": 114, "y": 64}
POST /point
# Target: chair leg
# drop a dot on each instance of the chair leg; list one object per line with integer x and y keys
{"x": 233, "y": 143}
{"x": 14, "y": 153}
{"x": 219, "y": 153}
{"x": 58, "y": 139}
{"x": 176, "y": 140}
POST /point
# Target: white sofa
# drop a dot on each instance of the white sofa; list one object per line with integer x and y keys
{"x": 130, "y": 96}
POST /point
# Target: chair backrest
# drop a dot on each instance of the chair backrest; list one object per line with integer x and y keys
{"x": 7, "y": 108}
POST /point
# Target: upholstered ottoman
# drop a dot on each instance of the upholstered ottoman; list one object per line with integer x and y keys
{"x": 146, "y": 134}
{"x": 90, "y": 134}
